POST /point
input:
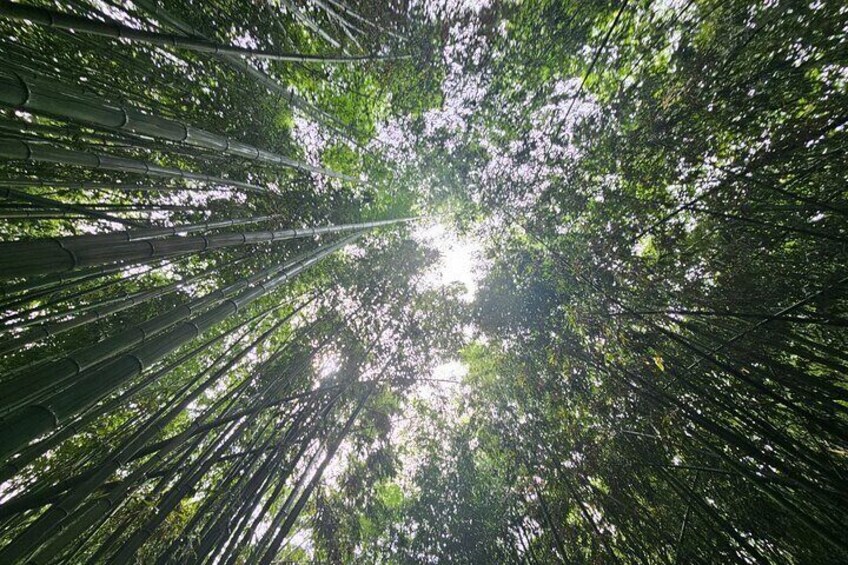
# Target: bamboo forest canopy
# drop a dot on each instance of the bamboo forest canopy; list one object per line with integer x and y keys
{"x": 423, "y": 281}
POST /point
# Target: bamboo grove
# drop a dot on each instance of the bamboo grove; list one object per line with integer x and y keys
{"x": 221, "y": 335}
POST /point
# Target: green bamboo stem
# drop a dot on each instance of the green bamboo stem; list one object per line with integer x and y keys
{"x": 347, "y": 28}
{"x": 52, "y": 99}
{"x": 91, "y": 385}
{"x": 52, "y": 376}
{"x": 153, "y": 207}
{"x": 176, "y": 493}
{"x": 721, "y": 432}
{"x": 117, "y": 236}
{"x": 57, "y": 205}
{"x": 76, "y": 426}
{"x": 90, "y": 514}
{"x": 294, "y": 513}
{"x": 708, "y": 355}
{"x": 276, "y": 533}
{"x": 170, "y": 500}
{"x": 50, "y": 521}
{"x": 258, "y": 549}
{"x": 244, "y": 497}
{"x": 243, "y": 482}
{"x": 36, "y": 216}
{"x": 16, "y": 149}
{"x": 22, "y": 319}
{"x": 79, "y": 522}
{"x": 59, "y": 20}
{"x": 37, "y": 287}
{"x": 280, "y": 482}
{"x": 94, "y": 185}
{"x": 336, "y": 14}
{"x": 30, "y": 379}
{"x": 308, "y": 22}
{"x": 242, "y": 65}
{"x": 26, "y": 258}
{"x": 156, "y": 232}
{"x": 347, "y": 11}
{"x": 99, "y": 312}
{"x": 123, "y": 455}
{"x": 213, "y": 507}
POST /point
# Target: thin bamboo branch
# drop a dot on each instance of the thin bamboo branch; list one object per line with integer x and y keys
{"x": 57, "y": 205}
{"x": 154, "y": 7}
{"x": 71, "y": 22}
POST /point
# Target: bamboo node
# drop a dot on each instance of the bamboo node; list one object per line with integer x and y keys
{"x": 234, "y": 303}
{"x": 73, "y": 256}
{"x": 197, "y": 330}
{"x": 76, "y": 363}
{"x": 25, "y": 86}
{"x": 28, "y": 151}
{"x": 126, "y": 118}
{"x": 137, "y": 360}
{"x": 49, "y": 411}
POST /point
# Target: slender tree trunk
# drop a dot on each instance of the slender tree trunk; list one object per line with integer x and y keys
{"x": 292, "y": 515}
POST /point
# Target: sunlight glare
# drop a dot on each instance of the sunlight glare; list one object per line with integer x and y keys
{"x": 460, "y": 261}
{"x": 326, "y": 365}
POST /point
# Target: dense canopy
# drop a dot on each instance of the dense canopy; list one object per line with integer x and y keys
{"x": 424, "y": 281}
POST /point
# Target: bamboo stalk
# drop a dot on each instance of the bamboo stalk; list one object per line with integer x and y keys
{"x": 78, "y": 425}
{"x": 15, "y": 149}
{"x": 6, "y": 192}
{"x": 93, "y": 185}
{"x": 291, "y": 516}
{"x": 88, "y": 516}
{"x": 170, "y": 500}
{"x": 242, "y": 65}
{"x": 34, "y": 288}
{"x": 177, "y": 493}
{"x": 25, "y": 258}
{"x": 34, "y": 420}
{"x": 99, "y": 312}
{"x": 53, "y": 376}
{"x": 36, "y": 216}
{"x": 32, "y": 537}
{"x": 308, "y": 22}
{"x": 347, "y": 11}
{"x": 141, "y": 436}
{"x": 72, "y": 22}
{"x": 25, "y": 318}
{"x": 52, "y": 99}
{"x": 156, "y": 232}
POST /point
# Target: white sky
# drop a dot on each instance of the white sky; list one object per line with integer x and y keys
{"x": 461, "y": 258}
